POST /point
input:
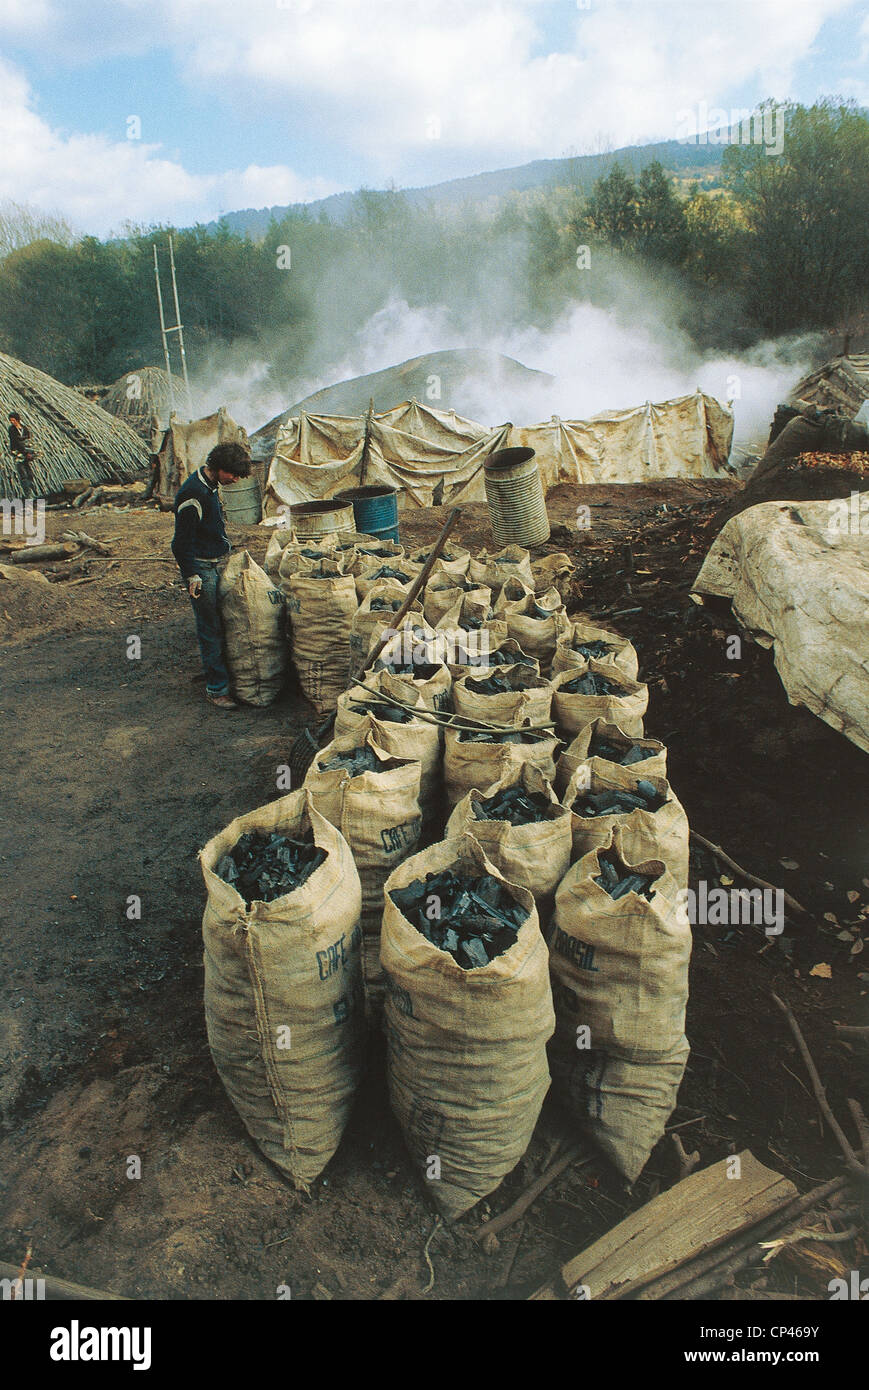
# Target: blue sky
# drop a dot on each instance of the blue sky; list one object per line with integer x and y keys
{"x": 273, "y": 101}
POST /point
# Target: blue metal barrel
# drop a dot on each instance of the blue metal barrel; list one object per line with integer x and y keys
{"x": 375, "y": 510}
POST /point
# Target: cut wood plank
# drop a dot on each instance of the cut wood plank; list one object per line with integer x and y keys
{"x": 33, "y": 554}
{"x": 703, "y": 1211}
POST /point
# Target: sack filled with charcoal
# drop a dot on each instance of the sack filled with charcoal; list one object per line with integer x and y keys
{"x": 619, "y": 945}
{"x": 512, "y": 695}
{"x": 397, "y": 731}
{"x": 374, "y": 617}
{"x": 650, "y": 816}
{"x": 321, "y": 603}
{"x": 586, "y": 642}
{"x": 610, "y": 744}
{"x": 452, "y": 561}
{"x": 397, "y": 570}
{"x": 466, "y": 634}
{"x": 479, "y": 760}
{"x": 372, "y": 797}
{"x": 468, "y": 1013}
{"x": 523, "y": 829}
{"x": 370, "y": 552}
{"x": 254, "y": 630}
{"x": 497, "y": 652}
{"x": 283, "y": 979}
{"x": 537, "y": 624}
{"x": 513, "y": 591}
{"x": 415, "y": 656}
{"x": 601, "y": 691}
{"x": 443, "y": 592}
{"x": 513, "y": 562}
{"x": 301, "y": 556}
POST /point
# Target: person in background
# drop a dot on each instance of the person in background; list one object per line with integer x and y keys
{"x": 201, "y": 547}
{"x": 22, "y": 452}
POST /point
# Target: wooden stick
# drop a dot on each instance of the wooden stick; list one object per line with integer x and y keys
{"x": 35, "y": 553}
{"x": 853, "y": 1163}
{"x": 862, "y": 1127}
{"x": 749, "y": 878}
{"x": 418, "y": 584}
{"x": 852, "y": 1030}
{"x": 449, "y": 720}
{"x": 528, "y": 1197}
{"x": 59, "y": 1288}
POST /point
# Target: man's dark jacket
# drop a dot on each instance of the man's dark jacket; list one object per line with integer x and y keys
{"x": 200, "y": 532}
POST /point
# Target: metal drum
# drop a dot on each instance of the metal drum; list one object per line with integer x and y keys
{"x": 375, "y": 509}
{"x": 242, "y": 502}
{"x": 321, "y": 520}
{"x": 514, "y": 492}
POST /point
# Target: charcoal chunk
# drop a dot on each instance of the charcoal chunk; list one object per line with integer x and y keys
{"x": 387, "y": 713}
{"x": 262, "y": 867}
{"x": 473, "y": 919}
{"x": 592, "y": 683}
{"x": 498, "y": 684}
{"x": 615, "y": 753}
{"x": 355, "y": 760}
{"x": 592, "y": 650}
{"x": 614, "y": 802}
{"x": 517, "y": 806}
{"x": 500, "y": 657}
{"x": 618, "y": 880}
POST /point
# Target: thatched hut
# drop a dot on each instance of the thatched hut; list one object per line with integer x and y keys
{"x": 71, "y": 437}
{"x": 139, "y": 396}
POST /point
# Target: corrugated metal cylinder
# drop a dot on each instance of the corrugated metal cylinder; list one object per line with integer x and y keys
{"x": 242, "y": 502}
{"x": 375, "y": 509}
{"x": 514, "y": 492}
{"x": 311, "y": 520}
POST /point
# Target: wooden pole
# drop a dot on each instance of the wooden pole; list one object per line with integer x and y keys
{"x": 418, "y": 584}
{"x": 56, "y": 1288}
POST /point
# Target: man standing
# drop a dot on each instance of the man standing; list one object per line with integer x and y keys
{"x": 22, "y": 452}
{"x": 201, "y": 547}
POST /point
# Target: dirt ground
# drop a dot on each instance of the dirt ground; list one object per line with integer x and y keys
{"x": 115, "y": 773}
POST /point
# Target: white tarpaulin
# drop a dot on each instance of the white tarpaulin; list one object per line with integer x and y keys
{"x": 436, "y": 456}
{"x": 798, "y": 577}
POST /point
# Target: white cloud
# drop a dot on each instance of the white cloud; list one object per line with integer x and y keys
{"x": 99, "y": 183}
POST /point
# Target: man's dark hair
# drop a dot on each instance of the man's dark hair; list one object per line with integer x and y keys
{"x": 15, "y": 416}
{"x": 230, "y": 458}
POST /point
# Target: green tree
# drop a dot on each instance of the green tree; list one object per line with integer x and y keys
{"x": 807, "y": 209}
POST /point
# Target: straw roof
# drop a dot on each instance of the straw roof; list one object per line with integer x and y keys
{"x": 138, "y": 395}
{"x": 70, "y": 437}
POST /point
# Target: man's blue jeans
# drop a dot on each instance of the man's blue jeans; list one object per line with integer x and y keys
{"x": 209, "y": 629}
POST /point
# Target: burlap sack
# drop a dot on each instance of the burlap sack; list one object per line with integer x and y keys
{"x": 494, "y": 570}
{"x": 283, "y": 994}
{"x": 374, "y": 553}
{"x": 536, "y": 855}
{"x": 573, "y": 712}
{"x": 537, "y": 636}
{"x": 513, "y": 591}
{"x": 528, "y": 700}
{"x": 620, "y": 986}
{"x": 622, "y": 653}
{"x": 321, "y": 604}
{"x": 442, "y": 594}
{"x": 486, "y": 662}
{"x": 453, "y": 560}
{"x": 481, "y": 765}
{"x": 293, "y": 561}
{"x": 654, "y": 764}
{"x": 278, "y": 541}
{"x": 466, "y": 1058}
{"x": 419, "y": 738}
{"x": 254, "y": 623}
{"x": 411, "y": 656}
{"x": 370, "y": 573}
{"x": 378, "y": 814}
{"x": 467, "y": 633}
{"x": 553, "y": 572}
{"x": 369, "y": 625}
{"x": 661, "y": 834}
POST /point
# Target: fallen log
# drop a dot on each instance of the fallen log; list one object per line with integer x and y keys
{"x": 56, "y": 1288}
{"x": 34, "y": 554}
